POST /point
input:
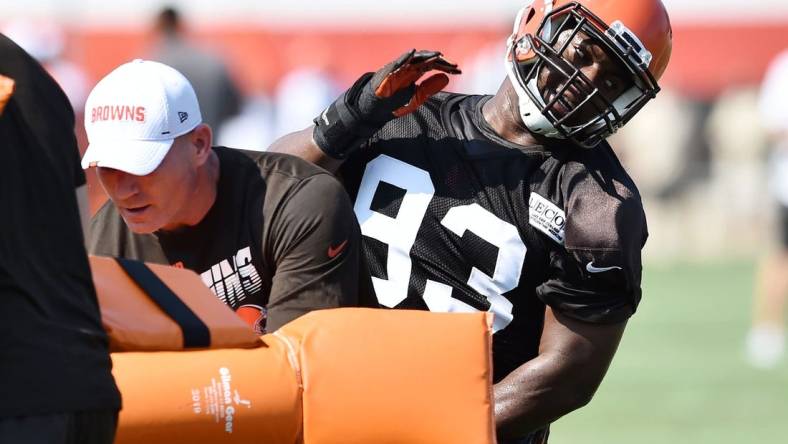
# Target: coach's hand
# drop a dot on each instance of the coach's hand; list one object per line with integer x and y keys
{"x": 376, "y": 98}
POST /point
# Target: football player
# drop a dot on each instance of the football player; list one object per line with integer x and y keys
{"x": 512, "y": 203}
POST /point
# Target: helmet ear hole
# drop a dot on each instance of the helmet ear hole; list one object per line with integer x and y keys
{"x": 531, "y": 15}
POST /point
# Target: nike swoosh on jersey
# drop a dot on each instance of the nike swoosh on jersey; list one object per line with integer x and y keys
{"x": 592, "y": 269}
{"x": 334, "y": 251}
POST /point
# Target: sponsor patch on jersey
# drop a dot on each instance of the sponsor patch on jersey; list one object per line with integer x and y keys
{"x": 546, "y": 217}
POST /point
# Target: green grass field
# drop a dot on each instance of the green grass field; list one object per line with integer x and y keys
{"x": 679, "y": 375}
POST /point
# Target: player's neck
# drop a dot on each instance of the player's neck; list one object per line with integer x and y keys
{"x": 501, "y": 113}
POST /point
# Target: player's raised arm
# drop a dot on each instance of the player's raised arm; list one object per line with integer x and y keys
{"x": 372, "y": 101}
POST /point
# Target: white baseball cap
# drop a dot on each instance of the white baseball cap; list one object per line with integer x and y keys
{"x": 133, "y": 115}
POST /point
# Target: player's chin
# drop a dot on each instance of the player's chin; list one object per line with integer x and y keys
{"x": 574, "y": 117}
{"x": 141, "y": 223}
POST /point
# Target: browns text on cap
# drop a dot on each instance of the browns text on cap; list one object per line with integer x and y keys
{"x": 134, "y": 114}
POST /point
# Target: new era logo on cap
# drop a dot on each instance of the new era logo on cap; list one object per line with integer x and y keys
{"x": 134, "y": 113}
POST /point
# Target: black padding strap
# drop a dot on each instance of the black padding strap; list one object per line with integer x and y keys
{"x": 195, "y": 333}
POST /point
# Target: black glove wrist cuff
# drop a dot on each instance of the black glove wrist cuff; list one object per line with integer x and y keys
{"x": 341, "y": 129}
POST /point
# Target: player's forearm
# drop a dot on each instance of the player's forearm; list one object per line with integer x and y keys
{"x": 372, "y": 101}
{"x": 537, "y": 393}
{"x": 301, "y": 144}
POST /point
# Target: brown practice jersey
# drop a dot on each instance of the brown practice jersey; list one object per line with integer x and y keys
{"x": 454, "y": 218}
{"x": 279, "y": 241}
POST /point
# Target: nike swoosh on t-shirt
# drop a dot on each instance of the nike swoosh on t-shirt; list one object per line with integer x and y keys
{"x": 334, "y": 251}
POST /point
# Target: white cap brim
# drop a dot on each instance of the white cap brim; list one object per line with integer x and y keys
{"x": 137, "y": 157}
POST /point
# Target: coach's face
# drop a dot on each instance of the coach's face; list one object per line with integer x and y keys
{"x": 159, "y": 200}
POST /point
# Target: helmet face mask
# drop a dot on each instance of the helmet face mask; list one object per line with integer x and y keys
{"x": 575, "y": 108}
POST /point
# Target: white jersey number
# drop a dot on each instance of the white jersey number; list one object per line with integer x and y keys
{"x": 400, "y": 234}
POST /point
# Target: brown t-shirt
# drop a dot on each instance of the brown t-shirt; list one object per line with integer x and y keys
{"x": 281, "y": 239}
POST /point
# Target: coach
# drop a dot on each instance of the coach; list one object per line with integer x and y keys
{"x": 273, "y": 236}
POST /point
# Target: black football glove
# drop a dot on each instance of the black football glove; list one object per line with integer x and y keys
{"x": 376, "y": 98}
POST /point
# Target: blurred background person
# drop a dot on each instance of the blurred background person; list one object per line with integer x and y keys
{"x": 52, "y": 45}
{"x": 216, "y": 90}
{"x": 766, "y": 338}
{"x": 482, "y": 71}
{"x": 47, "y": 42}
{"x": 253, "y": 127}
{"x": 307, "y": 87}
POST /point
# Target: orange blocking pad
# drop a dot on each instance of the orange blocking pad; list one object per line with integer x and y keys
{"x": 210, "y": 396}
{"x": 382, "y": 376}
{"x": 135, "y": 323}
{"x": 348, "y": 376}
